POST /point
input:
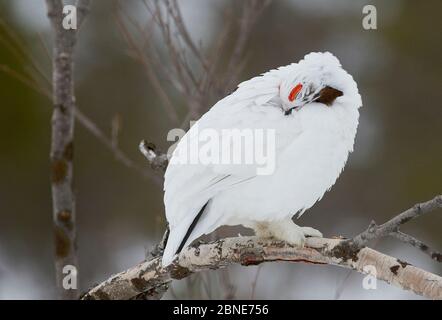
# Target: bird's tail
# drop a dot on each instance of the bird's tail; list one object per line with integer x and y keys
{"x": 179, "y": 236}
{"x": 173, "y": 242}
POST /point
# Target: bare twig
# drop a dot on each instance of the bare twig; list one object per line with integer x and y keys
{"x": 198, "y": 83}
{"x": 418, "y": 244}
{"x": 145, "y": 61}
{"x": 118, "y": 153}
{"x": 350, "y": 247}
{"x": 156, "y": 159}
{"x": 63, "y": 143}
{"x": 158, "y": 249}
{"x": 175, "y": 13}
{"x": 251, "y": 11}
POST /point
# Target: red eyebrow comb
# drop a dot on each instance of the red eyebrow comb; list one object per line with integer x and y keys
{"x": 295, "y": 92}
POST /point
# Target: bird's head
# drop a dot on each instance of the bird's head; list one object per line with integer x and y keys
{"x": 318, "y": 78}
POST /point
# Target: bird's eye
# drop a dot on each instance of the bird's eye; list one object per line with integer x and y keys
{"x": 295, "y": 92}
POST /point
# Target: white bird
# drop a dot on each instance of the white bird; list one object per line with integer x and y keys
{"x": 312, "y": 106}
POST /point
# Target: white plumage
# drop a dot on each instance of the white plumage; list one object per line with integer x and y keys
{"x": 313, "y": 141}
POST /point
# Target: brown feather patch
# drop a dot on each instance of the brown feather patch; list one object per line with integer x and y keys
{"x": 328, "y": 95}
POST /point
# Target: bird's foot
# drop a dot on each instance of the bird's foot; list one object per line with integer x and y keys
{"x": 286, "y": 230}
{"x": 311, "y": 232}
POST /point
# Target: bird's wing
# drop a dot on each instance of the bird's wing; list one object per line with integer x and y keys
{"x": 188, "y": 187}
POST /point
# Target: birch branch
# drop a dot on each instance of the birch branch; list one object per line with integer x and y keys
{"x": 148, "y": 278}
{"x": 62, "y": 142}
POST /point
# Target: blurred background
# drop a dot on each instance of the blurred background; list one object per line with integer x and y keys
{"x": 396, "y": 162}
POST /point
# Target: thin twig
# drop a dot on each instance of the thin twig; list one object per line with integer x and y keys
{"x": 118, "y": 153}
{"x": 199, "y": 89}
{"x": 170, "y": 109}
{"x": 418, "y": 244}
{"x": 250, "y": 13}
{"x": 350, "y": 247}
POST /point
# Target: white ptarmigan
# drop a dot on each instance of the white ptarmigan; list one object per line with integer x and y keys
{"x": 312, "y": 106}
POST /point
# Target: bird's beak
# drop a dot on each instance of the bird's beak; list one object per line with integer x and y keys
{"x": 289, "y": 111}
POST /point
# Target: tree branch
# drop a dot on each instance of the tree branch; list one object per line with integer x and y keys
{"x": 156, "y": 159}
{"x": 63, "y": 143}
{"x": 418, "y": 244}
{"x": 150, "y": 280}
{"x": 149, "y": 276}
{"x": 391, "y": 228}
